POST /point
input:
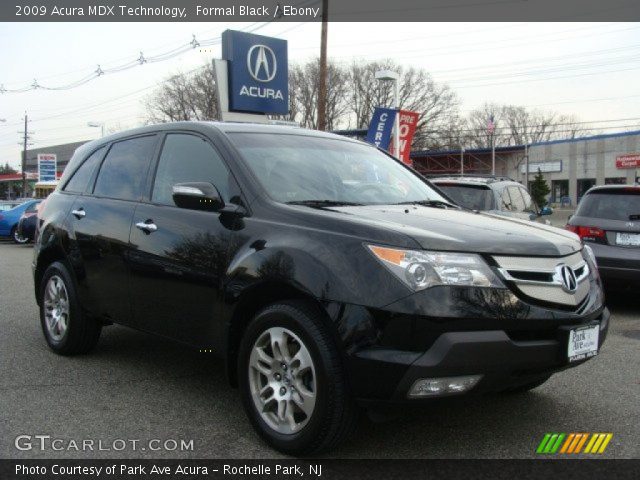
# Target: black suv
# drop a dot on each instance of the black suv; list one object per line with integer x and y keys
{"x": 325, "y": 273}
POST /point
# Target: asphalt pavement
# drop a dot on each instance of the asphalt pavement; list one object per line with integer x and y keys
{"x": 138, "y": 387}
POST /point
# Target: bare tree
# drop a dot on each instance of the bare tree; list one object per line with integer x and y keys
{"x": 515, "y": 125}
{"x": 184, "y": 96}
{"x": 303, "y": 94}
{"x": 436, "y": 103}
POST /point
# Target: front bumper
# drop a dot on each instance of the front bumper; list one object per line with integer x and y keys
{"x": 503, "y": 359}
{"x": 503, "y": 362}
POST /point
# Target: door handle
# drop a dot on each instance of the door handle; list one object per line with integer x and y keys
{"x": 147, "y": 227}
{"x": 79, "y": 213}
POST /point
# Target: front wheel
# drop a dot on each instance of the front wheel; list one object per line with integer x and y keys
{"x": 17, "y": 238}
{"x": 292, "y": 382}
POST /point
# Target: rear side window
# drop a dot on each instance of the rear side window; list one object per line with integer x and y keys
{"x": 470, "y": 196}
{"x": 123, "y": 172}
{"x": 619, "y": 204}
{"x": 80, "y": 179}
{"x": 188, "y": 158}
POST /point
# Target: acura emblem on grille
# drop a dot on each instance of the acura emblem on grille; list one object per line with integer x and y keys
{"x": 567, "y": 278}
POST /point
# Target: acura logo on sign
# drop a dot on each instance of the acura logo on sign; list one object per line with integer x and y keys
{"x": 567, "y": 278}
{"x": 262, "y": 64}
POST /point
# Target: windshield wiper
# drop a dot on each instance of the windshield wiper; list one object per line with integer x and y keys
{"x": 430, "y": 203}
{"x": 324, "y": 203}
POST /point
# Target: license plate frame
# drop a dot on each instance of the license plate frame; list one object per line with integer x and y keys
{"x": 583, "y": 343}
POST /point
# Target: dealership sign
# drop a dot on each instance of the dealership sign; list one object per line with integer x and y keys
{"x": 47, "y": 167}
{"x": 630, "y": 160}
{"x": 258, "y": 72}
{"x": 381, "y": 126}
{"x": 555, "y": 166}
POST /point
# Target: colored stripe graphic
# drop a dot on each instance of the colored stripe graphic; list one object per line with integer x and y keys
{"x": 543, "y": 443}
{"x": 572, "y": 443}
{"x": 581, "y": 442}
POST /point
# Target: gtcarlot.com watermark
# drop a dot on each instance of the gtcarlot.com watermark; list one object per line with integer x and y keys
{"x": 45, "y": 443}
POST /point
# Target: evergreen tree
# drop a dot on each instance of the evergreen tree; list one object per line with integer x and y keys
{"x": 539, "y": 189}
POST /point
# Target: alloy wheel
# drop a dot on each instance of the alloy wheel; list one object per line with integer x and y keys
{"x": 282, "y": 380}
{"x": 56, "y": 307}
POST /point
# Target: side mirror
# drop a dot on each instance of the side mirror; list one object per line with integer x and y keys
{"x": 546, "y": 211}
{"x": 197, "y": 196}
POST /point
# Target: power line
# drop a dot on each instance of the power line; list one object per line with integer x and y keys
{"x": 493, "y": 45}
{"x": 139, "y": 60}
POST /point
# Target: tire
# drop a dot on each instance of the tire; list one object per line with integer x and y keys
{"x": 17, "y": 238}
{"x": 527, "y": 386}
{"x": 67, "y": 329}
{"x": 330, "y": 416}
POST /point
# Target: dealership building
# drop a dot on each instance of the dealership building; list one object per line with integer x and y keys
{"x": 63, "y": 154}
{"x": 570, "y": 166}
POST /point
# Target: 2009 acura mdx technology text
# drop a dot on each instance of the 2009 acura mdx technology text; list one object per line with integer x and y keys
{"x": 327, "y": 274}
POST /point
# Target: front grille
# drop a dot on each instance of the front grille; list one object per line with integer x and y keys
{"x": 544, "y": 279}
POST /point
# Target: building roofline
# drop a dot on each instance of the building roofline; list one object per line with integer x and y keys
{"x": 591, "y": 137}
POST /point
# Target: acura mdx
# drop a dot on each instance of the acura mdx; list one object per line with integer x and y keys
{"x": 328, "y": 275}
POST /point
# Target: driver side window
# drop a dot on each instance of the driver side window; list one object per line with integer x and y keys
{"x": 188, "y": 158}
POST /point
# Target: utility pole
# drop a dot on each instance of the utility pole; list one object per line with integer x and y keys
{"x": 322, "y": 86}
{"x": 24, "y": 157}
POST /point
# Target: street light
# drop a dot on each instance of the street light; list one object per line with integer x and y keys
{"x": 99, "y": 125}
{"x": 390, "y": 75}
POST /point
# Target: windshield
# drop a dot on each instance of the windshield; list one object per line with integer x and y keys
{"x": 475, "y": 197}
{"x": 618, "y": 204}
{"x": 298, "y": 169}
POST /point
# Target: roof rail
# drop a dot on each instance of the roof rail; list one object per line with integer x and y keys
{"x": 495, "y": 178}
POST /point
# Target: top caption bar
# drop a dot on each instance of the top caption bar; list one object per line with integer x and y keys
{"x": 311, "y": 10}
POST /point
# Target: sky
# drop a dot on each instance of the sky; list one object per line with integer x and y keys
{"x": 585, "y": 69}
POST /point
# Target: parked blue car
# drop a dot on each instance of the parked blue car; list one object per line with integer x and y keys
{"x": 9, "y": 220}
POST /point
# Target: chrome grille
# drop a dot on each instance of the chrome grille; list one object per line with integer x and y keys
{"x": 561, "y": 280}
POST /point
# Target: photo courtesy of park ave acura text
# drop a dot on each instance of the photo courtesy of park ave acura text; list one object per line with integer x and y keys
{"x": 319, "y": 238}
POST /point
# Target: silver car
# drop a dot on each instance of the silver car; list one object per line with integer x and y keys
{"x": 498, "y": 195}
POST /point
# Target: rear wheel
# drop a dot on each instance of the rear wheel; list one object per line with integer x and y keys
{"x": 292, "y": 381}
{"x": 66, "y": 328}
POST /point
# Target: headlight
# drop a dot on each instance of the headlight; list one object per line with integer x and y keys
{"x": 424, "y": 269}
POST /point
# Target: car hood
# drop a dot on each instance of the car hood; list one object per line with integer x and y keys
{"x": 465, "y": 231}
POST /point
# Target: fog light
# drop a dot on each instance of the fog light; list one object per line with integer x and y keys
{"x": 433, "y": 387}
